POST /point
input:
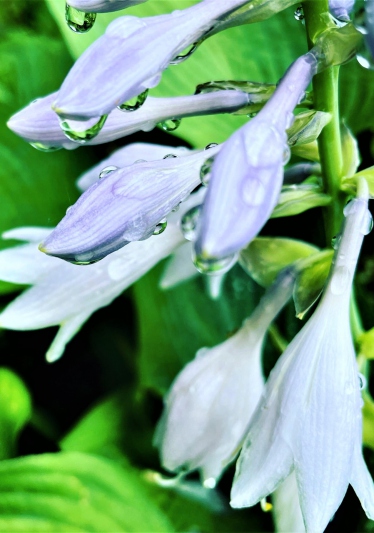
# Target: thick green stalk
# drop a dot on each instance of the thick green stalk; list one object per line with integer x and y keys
{"x": 326, "y": 98}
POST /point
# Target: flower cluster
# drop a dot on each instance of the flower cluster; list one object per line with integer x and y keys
{"x": 302, "y": 428}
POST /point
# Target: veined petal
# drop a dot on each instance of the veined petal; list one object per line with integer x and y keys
{"x": 103, "y": 6}
{"x": 126, "y": 205}
{"x": 286, "y": 507}
{"x": 361, "y": 480}
{"x": 24, "y": 264}
{"x": 37, "y": 123}
{"x": 247, "y": 174}
{"x": 126, "y": 156}
{"x": 132, "y": 54}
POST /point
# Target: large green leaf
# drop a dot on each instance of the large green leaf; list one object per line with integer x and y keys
{"x": 175, "y": 323}
{"x": 77, "y": 493}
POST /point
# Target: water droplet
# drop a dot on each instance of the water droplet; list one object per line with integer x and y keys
{"x": 210, "y": 145}
{"x": 45, "y": 148}
{"x": 286, "y": 154}
{"x": 253, "y": 192}
{"x": 134, "y": 103}
{"x": 265, "y": 505}
{"x": 362, "y": 381}
{"x": 185, "y": 54}
{"x": 206, "y": 170}
{"x": 68, "y": 210}
{"x": 252, "y": 115}
{"x": 202, "y": 352}
{"x": 79, "y": 21}
{"x": 189, "y": 223}
{"x": 214, "y": 266}
{"x": 210, "y": 483}
{"x": 107, "y": 170}
{"x": 82, "y": 136}
{"x": 139, "y": 161}
{"x": 176, "y": 208}
{"x": 340, "y": 280}
{"x": 335, "y": 241}
{"x": 170, "y": 124}
{"x": 169, "y": 156}
{"x": 299, "y": 14}
{"x": 84, "y": 259}
{"x": 367, "y": 224}
{"x": 161, "y": 227}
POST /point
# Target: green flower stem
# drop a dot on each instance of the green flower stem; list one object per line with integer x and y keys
{"x": 325, "y": 87}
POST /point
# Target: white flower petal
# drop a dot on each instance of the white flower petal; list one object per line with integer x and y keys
{"x": 362, "y": 482}
{"x": 25, "y": 264}
{"x": 286, "y": 507}
{"x": 27, "y": 233}
{"x": 65, "y": 333}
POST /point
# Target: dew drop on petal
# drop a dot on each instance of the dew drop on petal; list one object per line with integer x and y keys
{"x": 340, "y": 280}
{"x": 210, "y": 145}
{"x": 362, "y": 381}
{"x": 134, "y": 103}
{"x": 84, "y": 259}
{"x": 170, "y": 124}
{"x": 68, "y": 210}
{"x": 44, "y": 147}
{"x": 169, "y": 156}
{"x": 185, "y": 54}
{"x": 107, "y": 170}
{"x": 161, "y": 227}
{"x": 335, "y": 241}
{"x": 206, "y": 170}
{"x": 79, "y": 21}
{"x": 202, "y": 352}
{"x": 213, "y": 266}
{"x": 139, "y": 161}
{"x": 73, "y": 133}
{"x": 189, "y": 223}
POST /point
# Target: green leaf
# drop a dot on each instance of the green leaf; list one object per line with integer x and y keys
{"x": 35, "y": 187}
{"x": 349, "y": 185}
{"x": 265, "y": 257}
{"x": 74, "y": 492}
{"x": 350, "y": 152}
{"x": 15, "y": 410}
{"x": 174, "y": 324}
{"x": 242, "y": 53}
{"x": 311, "y": 280}
{"x": 299, "y": 198}
{"x": 307, "y": 126}
{"x": 366, "y": 344}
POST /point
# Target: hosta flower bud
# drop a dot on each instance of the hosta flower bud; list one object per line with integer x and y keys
{"x": 341, "y": 9}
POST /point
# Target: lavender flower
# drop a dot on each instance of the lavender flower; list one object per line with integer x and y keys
{"x": 247, "y": 174}
{"x": 341, "y": 9}
{"x": 210, "y": 404}
{"x": 38, "y": 124}
{"x": 132, "y": 54}
{"x": 61, "y": 293}
{"x": 309, "y": 419}
{"x": 126, "y": 205}
{"x": 103, "y": 6}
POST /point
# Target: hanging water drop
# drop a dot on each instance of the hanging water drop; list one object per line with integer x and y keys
{"x": 213, "y": 266}
{"x": 206, "y": 171}
{"x": 299, "y": 14}
{"x": 44, "y": 147}
{"x": 185, "y": 54}
{"x": 84, "y": 258}
{"x": 335, "y": 241}
{"x": 134, "y": 103}
{"x": 170, "y": 124}
{"x": 82, "y": 136}
{"x": 189, "y": 223}
{"x": 107, "y": 170}
{"x": 169, "y": 156}
{"x": 362, "y": 381}
{"x": 79, "y": 21}
{"x": 161, "y": 227}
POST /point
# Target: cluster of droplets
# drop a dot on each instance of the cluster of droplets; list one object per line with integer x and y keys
{"x": 79, "y": 21}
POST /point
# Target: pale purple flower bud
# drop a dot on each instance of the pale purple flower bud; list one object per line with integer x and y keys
{"x": 103, "y": 6}
{"x": 309, "y": 418}
{"x": 125, "y": 205}
{"x": 210, "y": 404}
{"x": 341, "y": 9}
{"x": 38, "y": 124}
{"x": 247, "y": 174}
{"x": 131, "y": 56}
{"x": 126, "y": 156}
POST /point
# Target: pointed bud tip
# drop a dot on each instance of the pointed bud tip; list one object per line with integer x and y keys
{"x": 42, "y": 248}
